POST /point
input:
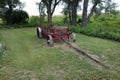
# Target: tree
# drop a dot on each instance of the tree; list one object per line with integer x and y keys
{"x": 67, "y": 11}
{"x": 84, "y": 14}
{"x": 6, "y": 8}
{"x": 74, "y": 11}
{"x": 50, "y": 5}
{"x": 20, "y": 6}
{"x": 86, "y": 18}
{"x": 110, "y": 6}
{"x": 41, "y": 12}
{"x": 18, "y": 16}
{"x": 10, "y": 4}
{"x": 71, "y": 10}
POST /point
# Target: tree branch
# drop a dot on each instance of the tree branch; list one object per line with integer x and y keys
{"x": 91, "y": 13}
{"x": 55, "y": 4}
{"x": 45, "y": 1}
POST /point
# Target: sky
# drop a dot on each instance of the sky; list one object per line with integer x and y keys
{"x": 32, "y": 8}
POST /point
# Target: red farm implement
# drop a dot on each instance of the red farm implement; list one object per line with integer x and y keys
{"x": 53, "y": 33}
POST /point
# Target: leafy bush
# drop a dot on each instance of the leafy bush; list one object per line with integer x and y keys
{"x": 108, "y": 20}
{"x": 34, "y": 20}
{"x": 17, "y": 17}
{"x": 105, "y": 26}
{"x": 75, "y": 29}
{"x": 112, "y": 33}
{"x": 58, "y": 20}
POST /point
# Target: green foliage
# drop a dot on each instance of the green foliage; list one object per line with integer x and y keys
{"x": 17, "y": 17}
{"x": 99, "y": 31}
{"x": 66, "y": 14}
{"x": 109, "y": 6}
{"x": 42, "y": 20}
{"x": 7, "y": 6}
{"x": 104, "y": 26}
{"x": 109, "y": 20}
{"x": 96, "y": 1}
{"x": 34, "y": 20}
{"x": 58, "y": 20}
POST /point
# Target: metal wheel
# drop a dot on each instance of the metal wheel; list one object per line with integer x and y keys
{"x": 39, "y": 32}
{"x": 73, "y": 37}
{"x": 50, "y": 40}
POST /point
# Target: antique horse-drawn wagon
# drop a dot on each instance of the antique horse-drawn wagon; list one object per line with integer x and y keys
{"x": 53, "y": 33}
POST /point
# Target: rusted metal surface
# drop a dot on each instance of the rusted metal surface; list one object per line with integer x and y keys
{"x": 57, "y": 32}
{"x": 52, "y": 33}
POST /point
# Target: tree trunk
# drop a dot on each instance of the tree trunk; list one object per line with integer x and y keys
{"x": 69, "y": 14}
{"x": 70, "y": 17}
{"x": 50, "y": 8}
{"x": 49, "y": 18}
{"x": 74, "y": 12}
{"x": 49, "y": 15}
{"x": 74, "y": 16}
{"x": 84, "y": 14}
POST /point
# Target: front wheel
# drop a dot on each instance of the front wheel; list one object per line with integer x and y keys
{"x": 49, "y": 40}
{"x": 72, "y": 37}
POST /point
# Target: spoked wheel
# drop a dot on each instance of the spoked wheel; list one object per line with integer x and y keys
{"x": 72, "y": 37}
{"x": 39, "y": 32}
{"x": 49, "y": 40}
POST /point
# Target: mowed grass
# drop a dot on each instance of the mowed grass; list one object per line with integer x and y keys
{"x": 29, "y": 58}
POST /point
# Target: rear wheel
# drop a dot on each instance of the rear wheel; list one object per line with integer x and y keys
{"x": 39, "y": 32}
{"x": 49, "y": 40}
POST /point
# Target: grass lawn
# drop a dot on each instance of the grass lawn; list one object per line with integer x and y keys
{"x": 29, "y": 58}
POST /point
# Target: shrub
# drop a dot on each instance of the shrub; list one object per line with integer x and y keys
{"x": 17, "y": 17}
{"x": 112, "y": 33}
{"x": 105, "y": 26}
{"x": 75, "y": 29}
{"x": 34, "y": 20}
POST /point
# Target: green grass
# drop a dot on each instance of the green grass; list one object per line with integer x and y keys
{"x": 29, "y": 58}
{"x": 109, "y": 49}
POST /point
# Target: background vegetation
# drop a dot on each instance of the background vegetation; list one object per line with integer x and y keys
{"x": 105, "y": 26}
